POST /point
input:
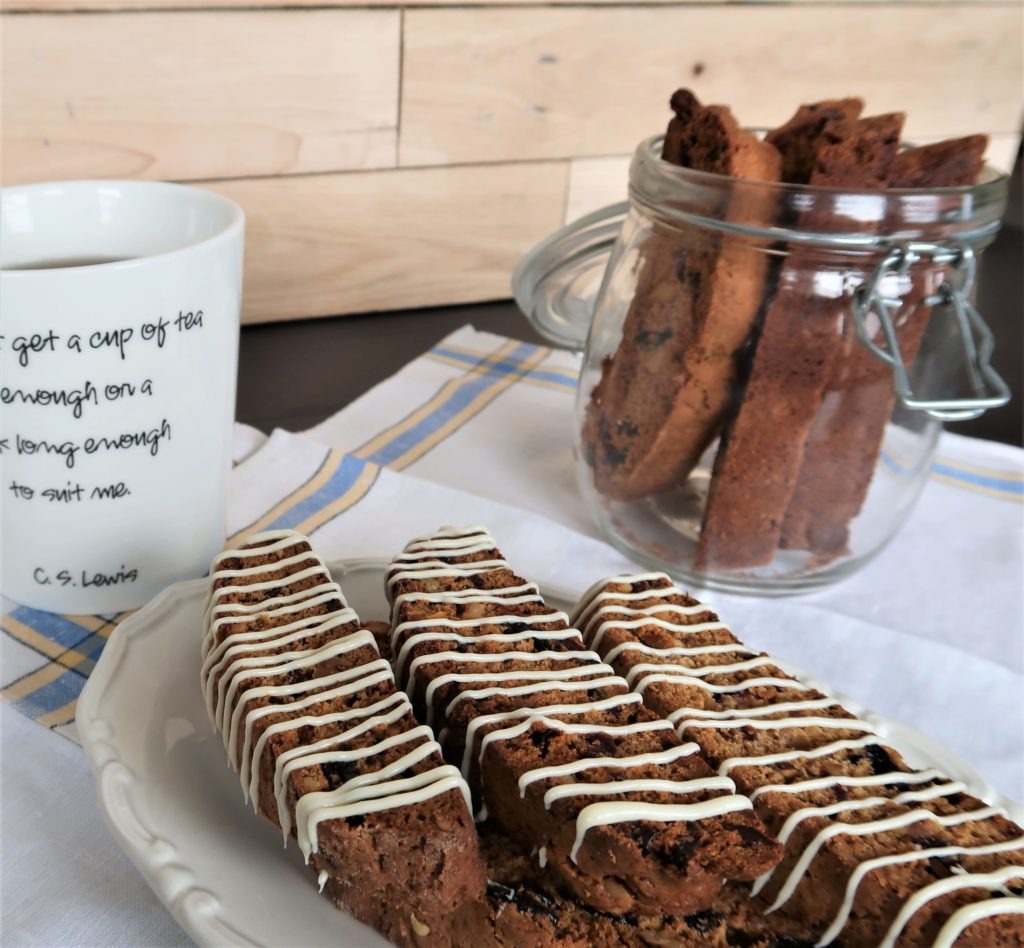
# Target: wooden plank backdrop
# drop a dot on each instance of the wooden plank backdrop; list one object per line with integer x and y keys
{"x": 403, "y": 155}
{"x": 200, "y": 95}
{"x": 343, "y": 243}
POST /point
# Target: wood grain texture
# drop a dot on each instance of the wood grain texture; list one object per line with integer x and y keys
{"x": 199, "y": 95}
{"x": 595, "y": 183}
{"x": 1002, "y": 151}
{"x": 349, "y": 243}
{"x": 88, "y": 5}
{"x": 490, "y": 84}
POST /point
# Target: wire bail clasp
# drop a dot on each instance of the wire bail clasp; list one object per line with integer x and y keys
{"x": 990, "y": 391}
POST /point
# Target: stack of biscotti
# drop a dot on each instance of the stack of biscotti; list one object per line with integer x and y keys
{"x": 718, "y": 343}
{"x": 557, "y": 750}
{"x": 844, "y": 442}
{"x": 328, "y": 749}
{"x": 663, "y": 393}
{"x": 876, "y": 853}
{"x": 801, "y": 340}
{"x": 797, "y": 457}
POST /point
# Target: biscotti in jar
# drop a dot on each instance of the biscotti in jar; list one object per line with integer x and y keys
{"x": 783, "y": 323}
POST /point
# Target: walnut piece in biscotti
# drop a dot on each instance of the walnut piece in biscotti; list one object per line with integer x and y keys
{"x": 662, "y": 394}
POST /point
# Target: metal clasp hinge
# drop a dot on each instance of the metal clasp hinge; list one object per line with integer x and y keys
{"x": 990, "y": 391}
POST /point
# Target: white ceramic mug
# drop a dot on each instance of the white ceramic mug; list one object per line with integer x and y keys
{"x": 117, "y": 388}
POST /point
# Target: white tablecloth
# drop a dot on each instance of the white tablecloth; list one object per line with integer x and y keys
{"x": 478, "y": 430}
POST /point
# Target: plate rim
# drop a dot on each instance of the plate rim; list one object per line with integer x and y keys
{"x": 195, "y": 907}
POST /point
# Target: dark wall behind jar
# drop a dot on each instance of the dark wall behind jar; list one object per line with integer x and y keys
{"x": 1001, "y": 302}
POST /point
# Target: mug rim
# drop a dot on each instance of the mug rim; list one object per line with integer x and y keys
{"x": 233, "y": 225}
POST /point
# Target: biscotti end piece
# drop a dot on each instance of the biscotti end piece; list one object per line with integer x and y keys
{"x": 797, "y": 140}
{"x": 708, "y": 138}
{"x": 953, "y": 163}
{"x": 405, "y": 871}
{"x": 662, "y": 395}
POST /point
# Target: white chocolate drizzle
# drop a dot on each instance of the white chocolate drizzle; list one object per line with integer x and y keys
{"x": 972, "y": 880}
{"x": 595, "y": 763}
{"x": 642, "y": 669}
{"x": 647, "y": 785}
{"x": 315, "y": 690}
{"x": 964, "y": 917}
{"x": 895, "y": 859}
{"x": 517, "y": 691}
{"x": 768, "y": 760}
{"x": 431, "y": 558}
{"x": 604, "y": 814}
{"x": 498, "y": 637}
{"x": 870, "y": 780}
{"x": 844, "y": 806}
{"x": 759, "y": 711}
{"x": 597, "y": 637}
{"x": 313, "y": 808}
{"x": 602, "y": 610}
{"x": 511, "y": 595}
{"x": 775, "y": 724}
{"x": 546, "y": 711}
{"x": 234, "y": 676}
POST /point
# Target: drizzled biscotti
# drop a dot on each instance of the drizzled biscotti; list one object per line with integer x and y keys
{"x": 876, "y": 853}
{"x": 328, "y": 749}
{"x": 558, "y": 752}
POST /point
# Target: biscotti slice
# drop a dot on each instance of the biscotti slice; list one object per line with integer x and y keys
{"x": 328, "y": 749}
{"x": 798, "y": 141}
{"x": 662, "y": 394}
{"x": 844, "y": 443}
{"x": 559, "y": 752}
{"x": 523, "y": 909}
{"x": 877, "y": 853}
{"x": 758, "y": 462}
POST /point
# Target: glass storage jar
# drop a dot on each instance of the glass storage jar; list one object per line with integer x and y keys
{"x": 767, "y": 366}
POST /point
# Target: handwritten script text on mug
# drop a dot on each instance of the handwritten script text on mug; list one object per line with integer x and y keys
{"x": 77, "y": 401}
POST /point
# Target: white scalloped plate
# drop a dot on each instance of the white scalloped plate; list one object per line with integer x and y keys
{"x": 175, "y": 806}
